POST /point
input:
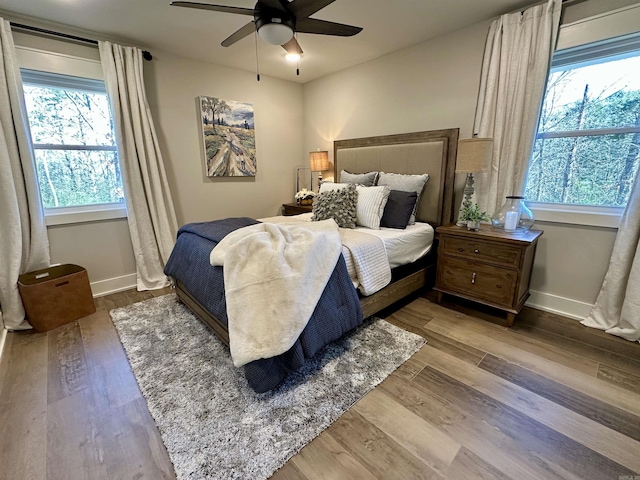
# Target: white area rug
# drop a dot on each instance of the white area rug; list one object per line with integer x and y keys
{"x": 213, "y": 425}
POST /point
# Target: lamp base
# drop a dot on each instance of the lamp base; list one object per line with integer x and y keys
{"x": 468, "y": 193}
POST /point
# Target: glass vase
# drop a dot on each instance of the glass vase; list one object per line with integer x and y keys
{"x": 513, "y": 216}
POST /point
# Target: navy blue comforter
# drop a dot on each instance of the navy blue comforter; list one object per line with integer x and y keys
{"x": 337, "y": 312}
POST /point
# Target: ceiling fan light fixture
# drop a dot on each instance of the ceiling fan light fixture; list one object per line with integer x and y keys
{"x": 292, "y": 57}
{"x": 275, "y": 33}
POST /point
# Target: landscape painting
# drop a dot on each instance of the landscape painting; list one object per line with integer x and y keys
{"x": 229, "y": 137}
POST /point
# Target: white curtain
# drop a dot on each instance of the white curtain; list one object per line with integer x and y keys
{"x": 24, "y": 245}
{"x": 152, "y": 218}
{"x": 617, "y": 308}
{"x": 514, "y": 73}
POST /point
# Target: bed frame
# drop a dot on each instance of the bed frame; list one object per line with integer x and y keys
{"x": 433, "y": 152}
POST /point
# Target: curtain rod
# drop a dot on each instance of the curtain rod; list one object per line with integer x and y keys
{"x": 20, "y": 26}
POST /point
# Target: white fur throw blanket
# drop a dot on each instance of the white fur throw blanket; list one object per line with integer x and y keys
{"x": 274, "y": 276}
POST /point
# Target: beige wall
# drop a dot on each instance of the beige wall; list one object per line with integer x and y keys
{"x": 429, "y": 86}
{"x": 173, "y": 85}
{"x": 434, "y": 85}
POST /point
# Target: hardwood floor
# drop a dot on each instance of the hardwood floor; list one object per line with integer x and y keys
{"x": 546, "y": 399}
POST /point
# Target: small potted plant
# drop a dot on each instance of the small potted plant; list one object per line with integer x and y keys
{"x": 305, "y": 197}
{"x": 473, "y": 216}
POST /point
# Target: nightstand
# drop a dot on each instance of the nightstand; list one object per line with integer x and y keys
{"x": 295, "y": 209}
{"x": 489, "y": 266}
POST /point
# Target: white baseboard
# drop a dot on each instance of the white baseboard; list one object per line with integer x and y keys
{"x": 113, "y": 285}
{"x": 562, "y": 306}
{"x": 3, "y": 337}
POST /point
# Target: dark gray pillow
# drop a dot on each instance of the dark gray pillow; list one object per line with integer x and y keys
{"x": 398, "y": 209}
{"x": 406, "y": 183}
{"x": 364, "y": 179}
{"x": 341, "y": 205}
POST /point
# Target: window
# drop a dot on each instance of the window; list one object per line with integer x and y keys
{"x": 73, "y": 140}
{"x": 588, "y": 139}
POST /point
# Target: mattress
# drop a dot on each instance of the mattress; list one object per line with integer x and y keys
{"x": 402, "y": 246}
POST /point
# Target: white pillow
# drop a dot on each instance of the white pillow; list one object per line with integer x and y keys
{"x": 328, "y": 186}
{"x": 371, "y": 202}
{"x": 405, "y": 183}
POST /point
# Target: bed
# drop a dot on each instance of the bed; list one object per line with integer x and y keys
{"x": 431, "y": 152}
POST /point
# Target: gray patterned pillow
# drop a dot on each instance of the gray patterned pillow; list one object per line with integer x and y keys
{"x": 337, "y": 204}
{"x": 366, "y": 179}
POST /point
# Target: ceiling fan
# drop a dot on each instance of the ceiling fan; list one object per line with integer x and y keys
{"x": 276, "y": 21}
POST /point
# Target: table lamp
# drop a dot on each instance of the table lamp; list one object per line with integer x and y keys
{"x": 319, "y": 162}
{"x": 474, "y": 155}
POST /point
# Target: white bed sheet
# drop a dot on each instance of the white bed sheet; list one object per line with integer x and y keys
{"x": 403, "y": 246}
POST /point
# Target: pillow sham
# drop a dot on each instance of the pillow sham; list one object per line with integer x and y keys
{"x": 370, "y": 204}
{"x": 365, "y": 179}
{"x": 339, "y": 204}
{"x": 405, "y": 183}
{"x": 398, "y": 210}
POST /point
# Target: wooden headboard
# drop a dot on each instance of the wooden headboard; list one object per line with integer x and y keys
{"x": 433, "y": 152}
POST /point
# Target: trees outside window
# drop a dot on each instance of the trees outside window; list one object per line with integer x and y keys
{"x": 588, "y": 141}
{"x": 73, "y": 140}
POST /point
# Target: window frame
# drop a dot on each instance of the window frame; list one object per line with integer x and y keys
{"x": 581, "y": 55}
{"x": 48, "y": 66}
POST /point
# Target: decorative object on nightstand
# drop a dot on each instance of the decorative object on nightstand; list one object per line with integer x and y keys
{"x": 472, "y": 216}
{"x": 319, "y": 162}
{"x": 304, "y": 179}
{"x": 490, "y": 266}
{"x": 474, "y": 155}
{"x": 305, "y": 197}
{"x": 289, "y": 209}
{"x": 513, "y": 216}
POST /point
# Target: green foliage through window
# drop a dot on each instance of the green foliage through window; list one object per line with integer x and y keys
{"x": 587, "y": 146}
{"x": 73, "y": 140}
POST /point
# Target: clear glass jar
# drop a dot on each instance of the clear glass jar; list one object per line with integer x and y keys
{"x": 513, "y": 216}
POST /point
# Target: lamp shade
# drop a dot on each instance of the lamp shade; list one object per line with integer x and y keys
{"x": 319, "y": 160}
{"x": 474, "y": 155}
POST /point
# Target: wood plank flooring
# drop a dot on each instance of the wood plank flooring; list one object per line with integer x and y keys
{"x": 546, "y": 399}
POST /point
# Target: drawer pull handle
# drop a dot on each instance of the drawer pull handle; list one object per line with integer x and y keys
{"x": 473, "y": 278}
{"x": 476, "y": 251}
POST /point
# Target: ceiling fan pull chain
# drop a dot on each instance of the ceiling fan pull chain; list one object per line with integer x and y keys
{"x": 297, "y": 61}
{"x": 255, "y": 37}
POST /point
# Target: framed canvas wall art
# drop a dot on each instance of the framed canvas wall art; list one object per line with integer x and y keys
{"x": 228, "y": 133}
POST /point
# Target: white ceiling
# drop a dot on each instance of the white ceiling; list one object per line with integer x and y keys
{"x": 389, "y": 25}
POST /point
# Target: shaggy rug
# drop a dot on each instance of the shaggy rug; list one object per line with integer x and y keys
{"x": 212, "y": 423}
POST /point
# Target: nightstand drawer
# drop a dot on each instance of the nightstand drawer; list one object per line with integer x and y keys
{"x": 481, "y": 251}
{"x": 295, "y": 209}
{"x": 477, "y": 281}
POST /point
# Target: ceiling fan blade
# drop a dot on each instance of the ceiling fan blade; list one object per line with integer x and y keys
{"x": 323, "y": 27}
{"x": 248, "y": 29}
{"x": 216, "y": 8}
{"x": 305, "y": 8}
{"x": 292, "y": 46}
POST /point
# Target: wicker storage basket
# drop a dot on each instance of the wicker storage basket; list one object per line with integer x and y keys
{"x": 56, "y": 295}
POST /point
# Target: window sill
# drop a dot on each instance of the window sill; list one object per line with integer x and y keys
{"x": 95, "y": 213}
{"x": 608, "y": 217}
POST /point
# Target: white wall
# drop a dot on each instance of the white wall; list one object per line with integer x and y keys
{"x": 434, "y": 85}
